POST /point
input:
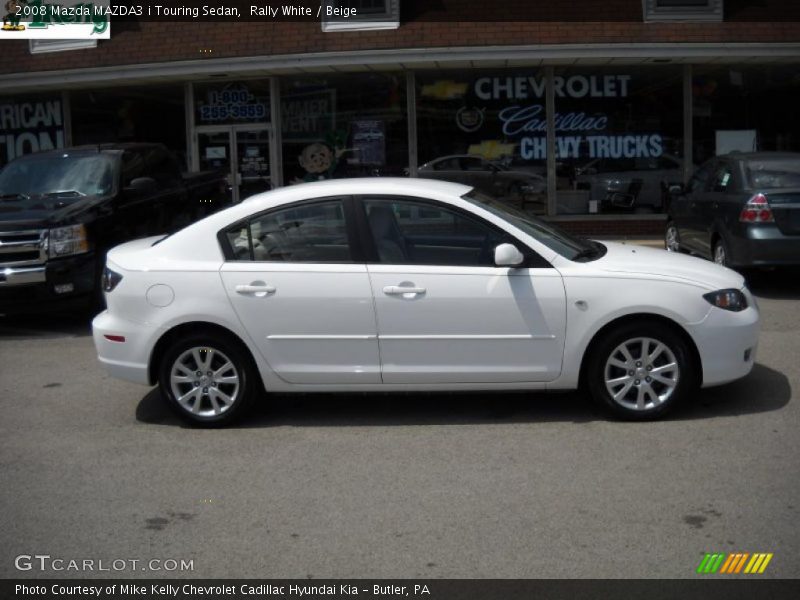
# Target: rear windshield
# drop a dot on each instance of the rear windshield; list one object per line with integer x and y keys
{"x": 63, "y": 176}
{"x": 772, "y": 174}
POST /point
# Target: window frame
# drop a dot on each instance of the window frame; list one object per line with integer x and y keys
{"x": 388, "y": 19}
{"x": 533, "y": 260}
{"x": 353, "y": 237}
{"x": 712, "y": 11}
{"x": 43, "y": 46}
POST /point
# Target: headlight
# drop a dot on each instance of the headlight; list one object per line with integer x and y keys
{"x": 732, "y": 300}
{"x": 110, "y": 280}
{"x": 65, "y": 241}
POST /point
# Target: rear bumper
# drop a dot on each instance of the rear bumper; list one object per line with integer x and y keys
{"x": 763, "y": 245}
{"x": 59, "y": 285}
{"x": 727, "y": 343}
{"x": 128, "y": 359}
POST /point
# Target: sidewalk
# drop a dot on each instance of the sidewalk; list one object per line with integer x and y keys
{"x": 654, "y": 241}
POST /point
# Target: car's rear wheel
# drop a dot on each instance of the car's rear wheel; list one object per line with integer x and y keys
{"x": 641, "y": 371}
{"x": 208, "y": 379}
{"x": 720, "y": 252}
{"x": 672, "y": 239}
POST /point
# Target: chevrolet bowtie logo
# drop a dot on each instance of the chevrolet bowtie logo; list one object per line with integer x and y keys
{"x": 734, "y": 563}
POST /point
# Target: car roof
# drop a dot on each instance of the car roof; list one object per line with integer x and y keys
{"x": 363, "y": 185}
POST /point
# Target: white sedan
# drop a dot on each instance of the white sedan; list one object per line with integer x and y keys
{"x": 401, "y": 285}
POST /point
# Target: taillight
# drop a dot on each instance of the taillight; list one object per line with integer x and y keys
{"x": 757, "y": 210}
{"x": 110, "y": 280}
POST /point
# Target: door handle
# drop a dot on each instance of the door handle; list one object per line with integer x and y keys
{"x": 260, "y": 290}
{"x": 397, "y": 290}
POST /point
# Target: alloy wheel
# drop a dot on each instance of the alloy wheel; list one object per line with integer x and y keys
{"x": 204, "y": 381}
{"x": 641, "y": 373}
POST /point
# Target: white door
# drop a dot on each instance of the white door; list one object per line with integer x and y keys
{"x": 305, "y": 303}
{"x": 445, "y": 313}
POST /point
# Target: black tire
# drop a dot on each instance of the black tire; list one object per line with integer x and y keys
{"x": 633, "y": 381}
{"x": 209, "y": 390}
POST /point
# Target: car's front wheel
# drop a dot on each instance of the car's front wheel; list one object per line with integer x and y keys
{"x": 208, "y": 379}
{"x": 640, "y": 371}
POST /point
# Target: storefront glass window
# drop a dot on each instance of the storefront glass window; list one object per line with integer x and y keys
{"x": 30, "y": 124}
{"x": 484, "y": 128}
{"x": 619, "y": 138}
{"x": 738, "y": 108}
{"x": 131, "y": 114}
{"x": 344, "y": 126}
{"x": 231, "y": 103}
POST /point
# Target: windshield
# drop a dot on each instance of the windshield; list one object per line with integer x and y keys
{"x": 772, "y": 174}
{"x": 60, "y": 176}
{"x": 556, "y": 239}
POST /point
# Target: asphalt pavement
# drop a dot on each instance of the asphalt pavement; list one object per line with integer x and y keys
{"x": 410, "y": 485}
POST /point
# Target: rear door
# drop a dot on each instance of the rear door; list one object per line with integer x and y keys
{"x": 692, "y": 221}
{"x": 296, "y": 280}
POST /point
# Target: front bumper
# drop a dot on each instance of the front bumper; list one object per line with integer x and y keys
{"x": 727, "y": 343}
{"x": 129, "y": 359}
{"x": 58, "y": 285}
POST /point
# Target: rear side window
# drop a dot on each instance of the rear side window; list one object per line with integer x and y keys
{"x": 307, "y": 233}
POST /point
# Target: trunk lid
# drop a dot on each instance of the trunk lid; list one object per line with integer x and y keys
{"x": 785, "y": 205}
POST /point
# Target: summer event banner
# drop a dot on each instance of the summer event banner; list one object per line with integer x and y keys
{"x": 61, "y": 20}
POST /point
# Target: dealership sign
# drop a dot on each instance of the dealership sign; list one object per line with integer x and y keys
{"x": 64, "y": 20}
{"x": 27, "y": 127}
{"x": 519, "y": 115}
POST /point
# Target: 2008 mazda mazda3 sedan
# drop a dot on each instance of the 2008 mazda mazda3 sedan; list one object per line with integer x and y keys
{"x": 401, "y": 284}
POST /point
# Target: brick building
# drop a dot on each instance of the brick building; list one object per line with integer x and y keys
{"x": 598, "y": 106}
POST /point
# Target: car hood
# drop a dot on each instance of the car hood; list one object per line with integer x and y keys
{"x": 625, "y": 258}
{"x": 46, "y": 212}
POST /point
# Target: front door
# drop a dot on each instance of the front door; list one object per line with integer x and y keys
{"x": 445, "y": 313}
{"x": 242, "y": 152}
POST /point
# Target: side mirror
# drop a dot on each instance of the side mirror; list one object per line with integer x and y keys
{"x": 142, "y": 185}
{"x": 507, "y": 255}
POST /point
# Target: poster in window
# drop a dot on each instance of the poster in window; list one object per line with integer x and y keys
{"x": 368, "y": 139}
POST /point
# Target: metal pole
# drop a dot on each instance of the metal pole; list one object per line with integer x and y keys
{"x": 550, "y": 107}
{"x": 411, "y": 110}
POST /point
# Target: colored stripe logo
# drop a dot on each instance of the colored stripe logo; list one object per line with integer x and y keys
{"x": 734, "y": 563}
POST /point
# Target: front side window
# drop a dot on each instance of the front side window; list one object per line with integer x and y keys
{"x": 556, "y": 239}
{"x": 416, "y": 232}
{"x": 308, "y": 233}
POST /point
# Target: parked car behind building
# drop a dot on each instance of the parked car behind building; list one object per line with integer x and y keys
{"x": 490, "y": 177}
